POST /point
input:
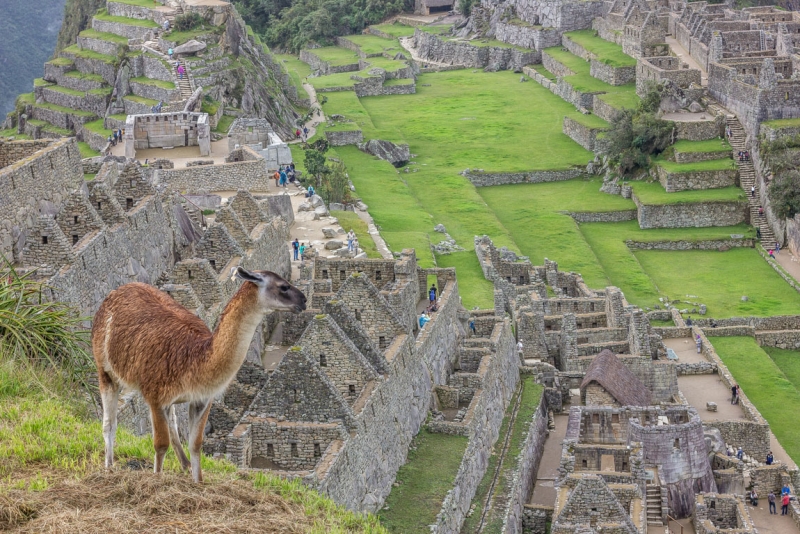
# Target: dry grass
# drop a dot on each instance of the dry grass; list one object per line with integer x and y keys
{"x": 138, "y": 501}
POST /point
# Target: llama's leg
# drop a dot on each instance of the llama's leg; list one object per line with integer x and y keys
{"x": 198, "y": 415}
{"x": 175, "y": 438}
{"x": 109, "y": 396}
{"x": 158, "y": 418}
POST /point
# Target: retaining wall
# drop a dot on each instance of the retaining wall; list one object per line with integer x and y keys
{"x": 698, "y": 215}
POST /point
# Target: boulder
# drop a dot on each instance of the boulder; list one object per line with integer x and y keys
{"x": 703, "y": 309}
{"x": 361, "y": 256}
{"x": 329, "y": 232}
{"x": 711, "y": 406}
{"x": 440, "y": 228}
{"x": 360, "y": 206}
{"x": 316, "y": 201}
{"x": 333, "y": 244}
{"x": 397, "y": 155}
{"x": 190, "y": 47}
{"x": 342, "y": 253}
{"x": 694, "y": 107}
{"x": 340, "y": 231}
{"x": 321, "y": 211}
{"x": 336, "y": 206}
{"x": 305, "y": 206}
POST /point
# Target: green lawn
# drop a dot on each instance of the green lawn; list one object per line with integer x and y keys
{"x": 104, "y": 36}
{"x": 224, "y": 124}
{"x": 373, "y": 44}
{"x": 530, "y": 212}
{"x": 141, "y": 100}
{"x": 621, "y": 99}
{"x": 583, "y": 81}
{"x": 395, "y": 30}
{"x": 544, "y": 72}
{"x": 606, "y": 52}
{"x": 60, "y": 61}
{"x": 423, "y": 482}
{"x": 767, "y": 387}
{"x": 783, "y": 123}
{"x": 350, "y": 220}
{"x": 788, "y": 361}
{"x": 475, "y": 290}
{"x": 86, "y": 150}
{"x": 722, "y": 164}
{"x": 652, "y": 193}
{"x": 340, "y": 79}
{"x": 97, "y": 127}
{"x": 398, "y": 81}
{"x": 385, "y": 63}
{"x": 709, "y": 145}
{"x": 719, "y": 280}
{"x": 85, "y": 76}
{"x": 335, "y": 56}
{"x": 89, "y": 54}
{"x": 297, "y": 70}
{"x": 182, "y": 37}
{"x": 62, "y": 109}
{"x": 155, "y": 83}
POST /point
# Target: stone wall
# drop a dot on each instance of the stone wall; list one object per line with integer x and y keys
{"x": 344, "y": 137}
{"x": 687, "y": 181}
{"x": 612, "y": 75}
{"x": 486, "y": 179}
{"x": 324, "y": 67}
{"x": 434, "y": 48}
{"x": 124, "y": 30}
{"x": 698, "y": 130}
{"x": 527, "y": 36}
{"x": 160, "y": 130}
{"x": 603, "y": 216}
{"x": 699, "y": 214}
{"x": 659, "y": 69}
{"x": 605, "y": 111}
{"x": 248, "y": 175}
{"x": 582, "y": 134}
{"x": 709, "y": 244}
{"x": 35, "y": 176}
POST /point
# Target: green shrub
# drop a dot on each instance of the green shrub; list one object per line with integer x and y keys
{"x": 465, "y": 6}
{"x": 188, "y": 21}
{"x": 784, "y": 191}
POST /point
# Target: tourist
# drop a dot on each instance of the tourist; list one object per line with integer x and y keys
{"x": 472, "y": 327}
{"x": 689, "y": 322}
{"x": 699, "y": 343}
{"x": 297, "y": 133}
{"x": 771, "y": 499}
{"x": 753, "y": 497}
{"x": 302, "y": 250}
{"x": 351, "y": 236}
{"x": 296, "y": 249}
{"x": 181, "y": 71}
{"x": 423, "y": 319}
{"x": 734, "y": 394}
{"x": 785, "y": 489}
{"x": 761, "y": 211}
{"x": 110, "y": 140}
{"x": 166, "y": 25}
{"x": 777, "y": 247}
{"x": 771, "y": 255}
{"x": 355, "y": 245}
{"x": 758, "y": 233}
{"x": 741, "y": 155}
{"x": 785, "y": 504}
{"x": 277, "y": 177}
{"x": 747, "y": 155}
{"x": 753, "y": 191}
{"x": 739, "y": 453}
{"x": 159, "y": 106}
{"x": 170, "y": 52}
{"x": 305, "y": 133}
{"x": 282, "y": 180}
{"x": 310, "y": 192}
{"x": 770, "y": 458}
{"x": 432, "y": 293}
{"x": 119, "y": 134}
{"x": 291, "y": 166}
{"x": 519, "y": 349}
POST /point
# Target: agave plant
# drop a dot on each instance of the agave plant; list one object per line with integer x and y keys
{"x": 38, "y": 332}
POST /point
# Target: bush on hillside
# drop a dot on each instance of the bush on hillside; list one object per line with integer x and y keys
{"x": 784, "y": 193}
{"x": 636, "y": 135}
{"x": 188, "y": 21}
{"x": 465, "y": 6}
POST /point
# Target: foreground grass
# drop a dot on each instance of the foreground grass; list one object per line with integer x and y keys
{"x": 719, "y": 280}
{"x": 48, "y": 438}
{"x": 423, "y": 482}
{"x": 765, "y": 385}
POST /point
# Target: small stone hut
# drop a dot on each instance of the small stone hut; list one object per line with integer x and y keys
{"x": 609, "y": 382}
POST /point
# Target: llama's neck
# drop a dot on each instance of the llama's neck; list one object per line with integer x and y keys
{"x": 234, "y": 334}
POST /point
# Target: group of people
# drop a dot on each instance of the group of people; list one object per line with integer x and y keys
{"x": 284, "y": 175}
{"x": 744, "y": 155}
{"x": 425, "y": 316}
{"x": 735, "y": 394}
{"x": 786, "y": 497}
{"x": 352, "y": 241}
{"x": 115, "y": 137}
{"x": 301, "y": 134}
{"x": 299, "y": 249}
{"x": 157, "y": 107}
{"x": 775, "y": 250}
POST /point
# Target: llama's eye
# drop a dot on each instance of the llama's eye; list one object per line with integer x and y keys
{"x": 285, "y": 288}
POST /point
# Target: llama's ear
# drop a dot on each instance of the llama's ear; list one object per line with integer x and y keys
{"x": 244, "y": 274}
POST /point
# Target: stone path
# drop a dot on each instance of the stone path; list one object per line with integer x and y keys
{"x": 408, "y": 44}
{"x": 789, "y": 262}
{"x": 543, "y": 491}
{"x": 383, "y": 248}
{"x": 682, "y": 53}
{"x": 317, "y": 115}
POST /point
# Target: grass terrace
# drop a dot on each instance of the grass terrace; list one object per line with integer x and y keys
{"x": 395, "y": 30}
{"x": 140, "y": 3}
{"x": 607, "y": 52}
{"x": 52, "y": 128}
{"x": 85, "y": 76}
{"x": 335, "y": 56}
{"x": 103, "y": 15}
{"x": 652, "y": 193}
{"x": 766, "y": 385}
{"x": 437, "y": 29}
{"x": 155, "y": 83}
{"x": 104, "y": 36}
{"x": 399, "y": 81}
{"x": 224, "y": 124}
{"x": 86, "y": 150}
{"x": 76, "y": 51}
{"x": 348, "y": 220}
{"x": 298, "y": 70}
{"x": 62, "y": 109}
{"x": 621, "y": 99}
{"x": 141, "y": 100}
{"x": 98, "y": 128}
{"x": 182, "y": 37}
{"x": 783, "y": 123}
{"x": 41, "y": 82}
{"x": 590, "y": 120}
{"x": 373, "y": 44}
{"x": 723, "y": 164}
{"x": 709, "y": 145}
{"x": 385, "y": 63}
{"x": 423, "y": 482}
{"x": 61, "y": 61}
{"x": 544, "y": 72}
{"x": 340, "y": 79}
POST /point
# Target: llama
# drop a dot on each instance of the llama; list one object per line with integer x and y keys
{"x": 143, "y": 340}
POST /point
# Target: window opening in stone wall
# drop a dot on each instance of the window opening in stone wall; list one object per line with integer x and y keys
{"x": 381, "y": 342}
{"x": 270, "y": 450}
{"x": 522, "y": 280}
{"x": 189, "y": 274}
{"x": 594, "y": 325}
{"x": 323, "y": 361}
{"x": 133, "y": 183}
{"x": 294, "y": 450}
{"x": 508, "y": 279}
{"x": 317, "y": 451}
{"x": 296, "y": 396}
{"x": 676, "y": 444}
{"x": 342, "y": 275}
{"x": 591, "y": 306}
{"x": 624, "y": 465}
{"x": 99, "y": 205}
{"x": 358, "y": 314}
{"x": 584, "y": 463}
{"x": 324, "y": 273}
{"x": 712, "y": 505}
{"x": 74, "y": 239}
{"x": 351, "y": 389}
{"x": 75, "y": 220}
{"x": 615, "y": 418}
{"x": 596, "y": 418}
{"x": 44, "y": 240}
{"x": 786, "y": 97}
{"x": 213, "y": 264}
{"x": 128, "y": 203}
{"x": 377, "y": 275}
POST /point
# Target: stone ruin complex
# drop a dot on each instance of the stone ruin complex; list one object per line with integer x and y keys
{"x": 259, "y": 136}
{"x": 167, "y": 130}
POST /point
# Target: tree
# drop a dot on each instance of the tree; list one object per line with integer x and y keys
{"x": 335, "y": 185}
{"x": 784, "y": 192}
{"x": 315, "y": 165}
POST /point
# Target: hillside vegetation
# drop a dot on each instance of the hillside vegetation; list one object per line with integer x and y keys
{"x": 29, "y": 36}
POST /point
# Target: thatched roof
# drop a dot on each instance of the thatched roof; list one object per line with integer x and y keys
{"x": 608, "y": 371}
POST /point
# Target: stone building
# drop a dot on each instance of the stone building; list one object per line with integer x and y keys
{"x": 609, "y": 382}
{"x": 167, "y": 130}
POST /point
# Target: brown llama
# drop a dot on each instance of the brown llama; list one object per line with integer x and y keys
{"x": 143, "y": 340}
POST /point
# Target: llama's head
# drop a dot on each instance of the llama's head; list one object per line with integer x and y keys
{"x": 274, "y": 292}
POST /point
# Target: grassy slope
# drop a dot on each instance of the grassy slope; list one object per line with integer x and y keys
{"x": 606, "y": 51}
{"x": 767, "y": 387}
{"x": 396, "y": 30}
{"x": 349, "y": 220}
{"x": 297, "y": 70}
{"x": 335, "y": 56}
{"x": 372, "y": 44}
{"x": 652, "y": 193}
{"x": 722, "y": 164}
{"x": 423, "y": 482}
{"x": 709, "y": 145}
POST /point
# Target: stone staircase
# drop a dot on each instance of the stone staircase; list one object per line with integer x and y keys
{"x": 747, "y": 178}
{"x": 653, "y": 501}
{"x": 184, "y": 84}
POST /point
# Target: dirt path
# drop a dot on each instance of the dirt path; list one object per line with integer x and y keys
{"x": 789, "y": 262}
{"x": 317, "y": 115}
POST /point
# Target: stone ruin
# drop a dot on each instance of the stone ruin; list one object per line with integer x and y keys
{"x": 167, "y": 130}
{"x": 260, "y": 137}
